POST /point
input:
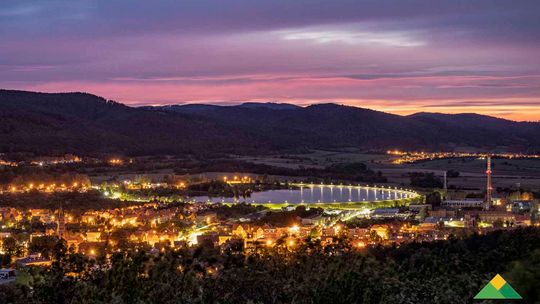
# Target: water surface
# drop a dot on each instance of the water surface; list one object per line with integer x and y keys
{"x": 313, "y": 194}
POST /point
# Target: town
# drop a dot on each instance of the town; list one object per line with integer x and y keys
{"x": 404, "y": 157}
{"x": 158, "y": 216}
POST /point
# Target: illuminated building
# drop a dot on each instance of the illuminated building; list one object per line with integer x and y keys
{"x": 464, "y": 203}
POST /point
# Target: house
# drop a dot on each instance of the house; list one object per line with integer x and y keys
{"x": 33, "y": 260}
{"x": 240, "y": 231}
{"x": 258, "y": 233}
{"x": 328, "y": 232}
{"x": 89, "y": 217}
{"x": 209, "y": 238}
{"x": 207, "y": 218}
{"x": 313, "y": 220}
{"x": 495, "y": 215}
{"x": 7, "y": 274}
{"x": 92, "y": 248}
{"x": 222, "y": 239}
{"x": 382, "y": 231}
{"x": 385, "y": 212}
{"x": 245, "y": 231}
{"x": 522, "y": 207}
{"x": 418, "y": 207}
{"x": 43, "y": 215}
{"x": 93, "y": 236}
{"x": 441, "y": 213}
{"x": 427, "y": 227}
{"x": 358, "y": 233}
{"x": 73, "y": 240}
{"x": 7, "y": 213}
{"x": 464, "y": 203}
{"x": 492, "y": 216}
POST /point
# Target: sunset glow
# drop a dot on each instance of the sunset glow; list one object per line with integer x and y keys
{"x": 443, "y": 57}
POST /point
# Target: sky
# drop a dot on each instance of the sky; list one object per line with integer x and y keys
{"x": 394, "y": 56}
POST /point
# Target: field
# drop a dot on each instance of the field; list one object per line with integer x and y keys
{"x": 506, "y": 172}
{"x": 317, "y": 159}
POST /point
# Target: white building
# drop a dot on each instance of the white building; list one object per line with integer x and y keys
{"x": 464, "y": 203}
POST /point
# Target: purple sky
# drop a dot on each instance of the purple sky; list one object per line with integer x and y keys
{"x": 395, "y": 56}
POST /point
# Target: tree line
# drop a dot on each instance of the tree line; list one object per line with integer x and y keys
{"x": 450, "y": 271}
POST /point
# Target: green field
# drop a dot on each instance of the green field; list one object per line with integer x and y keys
{"x": 520, "y": 167}
{"x": 345, "y": 206}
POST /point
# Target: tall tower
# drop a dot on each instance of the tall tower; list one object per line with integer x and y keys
{"x": 489, "y": 186}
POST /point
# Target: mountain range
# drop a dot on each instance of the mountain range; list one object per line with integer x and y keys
{"x": 48, "y": 123}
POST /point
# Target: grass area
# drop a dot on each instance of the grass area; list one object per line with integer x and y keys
{"x": 500, "y": 166}
{"x": 506, "y": 172}
{"x": 317, "y": 159}
{"x": 331, "y": 157}
{"x": 345, "y": 206}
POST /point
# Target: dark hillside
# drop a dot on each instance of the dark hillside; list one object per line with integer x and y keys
{"x": 85, "y": 124}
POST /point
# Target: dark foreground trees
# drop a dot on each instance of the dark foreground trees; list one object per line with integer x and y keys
{"x": 450, "y": 271}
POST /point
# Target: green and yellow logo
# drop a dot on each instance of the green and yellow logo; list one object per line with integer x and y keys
{"x": 497, "y": 289}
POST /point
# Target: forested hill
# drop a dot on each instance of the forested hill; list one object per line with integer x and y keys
{"x": 84, "y": 123}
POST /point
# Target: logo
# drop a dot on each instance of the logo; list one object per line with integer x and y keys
{"x": 497, "y": 289}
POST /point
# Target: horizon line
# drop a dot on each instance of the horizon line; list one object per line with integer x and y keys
{"x": 230, "y": 103}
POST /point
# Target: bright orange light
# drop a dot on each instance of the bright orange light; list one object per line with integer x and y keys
{"x": 294, "y": 229}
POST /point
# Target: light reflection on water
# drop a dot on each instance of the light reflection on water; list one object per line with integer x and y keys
{"x": 315, "y": 194}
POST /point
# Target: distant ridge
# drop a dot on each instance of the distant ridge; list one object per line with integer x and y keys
{"x": 269, "y": 105}
{"x": 85, "y": 123}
